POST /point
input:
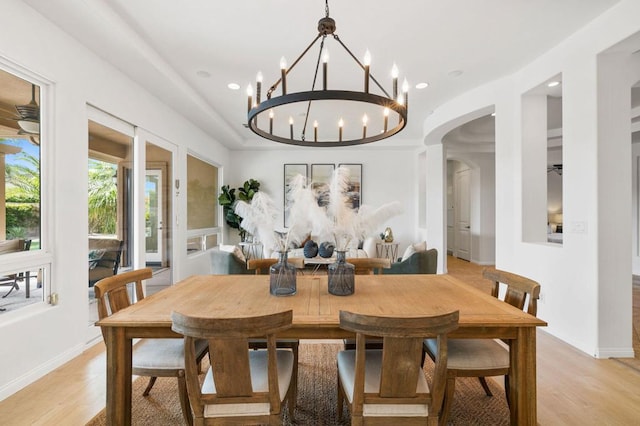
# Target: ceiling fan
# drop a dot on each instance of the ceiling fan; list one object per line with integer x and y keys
{"x": 555, "y": 168}
{"x": 27, "y": 120}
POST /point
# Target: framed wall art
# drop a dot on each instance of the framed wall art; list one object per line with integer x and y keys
{"x": 290, "y": 171}
{"x": 320, "y": 180}
{"x": 355, "y": 184}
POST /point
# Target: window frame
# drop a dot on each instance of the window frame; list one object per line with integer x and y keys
{"x": 42, "y": 258}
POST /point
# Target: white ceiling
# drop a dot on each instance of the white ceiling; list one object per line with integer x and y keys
{"x": 165, "y": 44}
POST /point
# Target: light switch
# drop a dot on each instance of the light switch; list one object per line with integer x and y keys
{"x": 579, "y": 227}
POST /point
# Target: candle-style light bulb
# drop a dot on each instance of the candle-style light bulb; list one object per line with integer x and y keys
{"x": 291, "y": 127}
{"x": 367, "y": 57}
{"x": 271, "y": 121}
{"x": 325, "y": 67}
{"x": 315, "y": 130}
{"x": 365, "y": 119}
{"x": 258, "y": 86}
{"x": 283, "y": 72}
{"x": 340, "y": 126}
{"x": 394, "y": 76}
{"x": 394, "y": 71}
{"x": 367, "y": 63}
{"x": 249, "y": 97}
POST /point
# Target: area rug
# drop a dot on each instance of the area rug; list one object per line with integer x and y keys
{"x": 317, "y": 396}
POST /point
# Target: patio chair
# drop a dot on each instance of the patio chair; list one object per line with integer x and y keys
{"x": 11, "y": 246}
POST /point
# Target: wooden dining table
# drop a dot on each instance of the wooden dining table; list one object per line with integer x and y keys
{"x": 316, "y": 316}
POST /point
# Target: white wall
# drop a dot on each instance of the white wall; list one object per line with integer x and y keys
{"x": 387, "y": 175}
{"x": 39, "y": 338}
{"x": 585, "y": 292}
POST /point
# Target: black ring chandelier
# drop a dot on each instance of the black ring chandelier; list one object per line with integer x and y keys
{"x": 264, "y": 127}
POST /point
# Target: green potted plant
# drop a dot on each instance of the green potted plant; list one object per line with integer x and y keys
{"x": 227, "y": 199}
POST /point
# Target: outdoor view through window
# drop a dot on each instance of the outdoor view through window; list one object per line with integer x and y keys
{"x": 20, "y": 201}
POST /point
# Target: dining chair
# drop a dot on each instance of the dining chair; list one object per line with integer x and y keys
{"x": 242, "y": 386}
{"x": 369, "y": 265}
{"x": 388, "y": 385}
{"x": 261, "y": 266}
{"x": 150, "y": 357}
{"x": 486, "y": 357}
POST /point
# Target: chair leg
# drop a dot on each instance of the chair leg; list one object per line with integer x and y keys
{"x": 340, "y": 399}
{"x": 448, "y": 399}
{"x": 485, "y": 386}
{"x": 14, "y": 286}
{"x": 294, "y": 348}
{"x": 184, "y": 399}
{"x": 506, "y": 388}
{"x": 152, "y": 381}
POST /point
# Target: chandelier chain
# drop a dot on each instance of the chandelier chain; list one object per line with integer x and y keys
{"x": 326, "y": 8}
{"x": 313, "y": 87}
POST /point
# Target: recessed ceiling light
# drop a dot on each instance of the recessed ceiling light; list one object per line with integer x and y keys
{"x": 203, "y": 74}
{"x": 455, "y": 73}
{"x": 553, "y": 84}
{"x": 422, "y": 85}
{"x": 233, "y": 86}
{"x": 493, "y": 114}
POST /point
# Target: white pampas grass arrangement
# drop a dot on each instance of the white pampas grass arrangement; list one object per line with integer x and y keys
{"x": 259, "y": 219}
{"x": 336, "y": 222}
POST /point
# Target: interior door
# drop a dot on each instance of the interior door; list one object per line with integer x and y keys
{"x": 463, "y": 214}
{"x": 154, "y": 214}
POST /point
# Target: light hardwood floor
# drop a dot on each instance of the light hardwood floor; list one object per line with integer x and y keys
{"x": 573, "y": 388}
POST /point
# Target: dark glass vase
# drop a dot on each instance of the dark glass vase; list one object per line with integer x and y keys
{"x": 282, "y": 277}
{"x": 341, "y": 276}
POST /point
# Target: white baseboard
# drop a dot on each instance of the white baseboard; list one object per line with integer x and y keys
{"x": 39, "y": 372}
{"x": 483, "y": 262}
{"x": 604, "y": 353}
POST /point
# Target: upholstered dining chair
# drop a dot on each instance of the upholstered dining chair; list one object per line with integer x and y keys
{"x": 241, "y": 386}
{"x": 369, "y": 265}
{"x": 486, "y": 357}
{"x": 151, "y": 357}
{"x": 388, "y": 386}
{"x": 261, "y": 266}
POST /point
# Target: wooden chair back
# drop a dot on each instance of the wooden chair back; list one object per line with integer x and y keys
{"x": 261, "y": 266}
{"x": 401, "y": 357}
{"x": 112, "y": 292}
{"x": 228, "y": 351}
{"x": 518, "y": 287}
{"x": 369, "y": 265}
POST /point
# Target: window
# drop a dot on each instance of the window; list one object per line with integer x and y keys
{"x": 22, "y": 275}
{"x": 202, "y": 205}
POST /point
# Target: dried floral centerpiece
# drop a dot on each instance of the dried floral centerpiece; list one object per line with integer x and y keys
{"x": 336, "y": 222}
